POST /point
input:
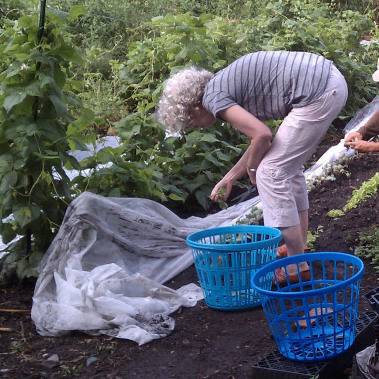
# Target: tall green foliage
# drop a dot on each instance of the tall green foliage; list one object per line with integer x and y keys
{"x": 160, "y": 168}
{"x": 129, "y": 49}
{"x": 39, "y": 121}
{"x": 213, "y": 42}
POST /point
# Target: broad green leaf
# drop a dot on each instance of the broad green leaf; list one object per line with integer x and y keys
{"x": 26, "y": 215}
{"x": 190, "y": 169}
{"x": 30, "y": 129}
{"x": 18, "y": 164}
{"x": 196, "y": 183}
{"x": 202, "y": 199}
{"x": 13, "y": 99}
{"x": 13, "y": 69}
{"x": 28, "y": 267}
{"x": 79, "y": 145}
{"x": 22, "y": 268}
{"x": 59, "y": 105}
{"x": 8, "y": 181}
{"x": 62, "y": 15}
{"x": 211, "y": 159}
{"x": 209, "y": 138}
{"x": 50, "y": 130}
{"x": 76, "y": 11}
{"x": 7, "y": 232}
{"x": 45, "y": 79}
{"x": 26, "y": 21}
{"x": 175, "y": 197}
{"x": 59, "y": 77}
{"x": 222, "y": 156}
{"x": 74, "y": 163}
{"x": 115, "y": 192}
{"x": 33, "y": 88}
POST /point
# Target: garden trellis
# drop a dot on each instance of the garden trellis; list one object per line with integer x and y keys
{"x": 41, "y": 26}
{"x": 41, "y": 20}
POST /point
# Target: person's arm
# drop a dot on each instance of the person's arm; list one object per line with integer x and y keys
{"x": 362, "y": 146}
{"x": 370, "y": 129}
{"x": 259, "y": 135}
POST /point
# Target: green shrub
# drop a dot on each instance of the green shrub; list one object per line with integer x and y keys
{"x": 40, "y": 121}
{"x": 368, "y": 244}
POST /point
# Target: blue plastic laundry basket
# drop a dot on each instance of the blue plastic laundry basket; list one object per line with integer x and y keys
{"x": 313, "y": 320}
{"x": 225, "y": 259}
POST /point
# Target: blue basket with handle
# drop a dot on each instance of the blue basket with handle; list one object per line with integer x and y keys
{"x": 312, "y": 320}
{"x": 225, "y": 259}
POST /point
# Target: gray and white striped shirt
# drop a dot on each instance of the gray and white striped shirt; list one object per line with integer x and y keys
{"x": 268, "y": 84}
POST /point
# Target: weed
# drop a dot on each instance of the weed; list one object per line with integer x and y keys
{"x": 16, "y": 347}
{"x": 311, "y": 238}
{"x": 368, "y": 246}
{"x": 70, "y": 370}
{"x": 102, "y": 347}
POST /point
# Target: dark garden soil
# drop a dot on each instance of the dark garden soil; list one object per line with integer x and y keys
{"x": 205, "y": 343}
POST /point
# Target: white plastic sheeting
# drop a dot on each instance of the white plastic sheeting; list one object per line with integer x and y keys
{"x": 339, "y": 151}
{"x": 367, "y": 361}
{"x": 103, "y": 272}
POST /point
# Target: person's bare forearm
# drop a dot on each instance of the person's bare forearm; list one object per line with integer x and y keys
{"x": 250, "y": 159}
{"x": 371, "y": 128}
{"x": 258, "y": 148}
{"x": 239, "y": 169}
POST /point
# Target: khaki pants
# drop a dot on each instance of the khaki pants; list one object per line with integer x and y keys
{"x": 280, "y": 175}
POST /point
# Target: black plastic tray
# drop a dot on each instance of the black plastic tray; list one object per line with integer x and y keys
{"x": 275, "y": 365}
{"x": 373, "y": 298}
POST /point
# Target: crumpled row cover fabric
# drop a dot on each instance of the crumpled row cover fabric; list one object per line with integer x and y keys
{"x": 103, "y": 272}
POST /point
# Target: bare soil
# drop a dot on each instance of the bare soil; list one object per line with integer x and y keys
{"x": 205, "y": 343}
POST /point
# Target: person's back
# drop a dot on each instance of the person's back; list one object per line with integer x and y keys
{"x": 268, "y": 84}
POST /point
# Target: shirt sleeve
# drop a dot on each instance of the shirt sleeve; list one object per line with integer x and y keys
{"x": 371, "y": 128}
{"x": 215, "y": 102}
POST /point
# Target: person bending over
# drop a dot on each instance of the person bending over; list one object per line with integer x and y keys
{"x": 304, "y": 90}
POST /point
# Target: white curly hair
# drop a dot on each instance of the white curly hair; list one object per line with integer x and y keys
{"x": 182, "y": 91}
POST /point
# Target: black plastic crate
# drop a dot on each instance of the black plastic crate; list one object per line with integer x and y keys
{"x": 275, "y": 365}
{"x": 373, "y": 298}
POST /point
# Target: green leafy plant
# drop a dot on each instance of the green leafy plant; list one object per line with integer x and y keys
{"x": 252, "y": 218}
{"x": 368, "y": 244}
{"x": 335, "y": 213}
{"x": 40, "y": 121}
{"x": 176, "y": 40}
{"x": 180, "y": 171}
{"x": 312, "y": 237}
{"x": 330, "y": 172}
{"x": 221, "y": 202}
{"x": 365, "y": 191}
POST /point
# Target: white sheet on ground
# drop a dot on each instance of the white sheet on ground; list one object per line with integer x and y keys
{"x": 339, "y": 151}
{"x": 103, "y": 272}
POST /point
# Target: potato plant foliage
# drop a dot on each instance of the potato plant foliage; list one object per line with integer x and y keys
{"x": 113, "y": 58}
{"x": 367, "y": 246}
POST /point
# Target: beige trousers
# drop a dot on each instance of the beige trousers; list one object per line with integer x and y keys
{"x": 280, "y": 175}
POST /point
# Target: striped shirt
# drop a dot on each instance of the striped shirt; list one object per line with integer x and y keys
{"x": 268, "y": 84}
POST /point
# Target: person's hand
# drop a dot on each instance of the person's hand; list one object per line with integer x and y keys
{"x": 362, "y": 146}
{"x": 352, "y": 137}
{"x": 221, "y": 190}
